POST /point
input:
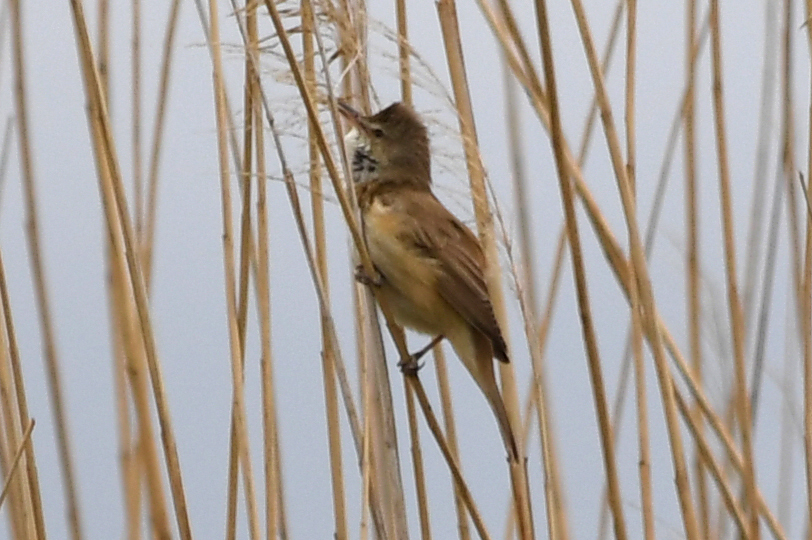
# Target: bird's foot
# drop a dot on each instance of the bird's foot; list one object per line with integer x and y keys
{"x": 411, "y": 365}
{"x": 363, "y": 277}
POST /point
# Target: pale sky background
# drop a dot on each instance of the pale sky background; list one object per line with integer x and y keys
{"x": 188, "y": 306}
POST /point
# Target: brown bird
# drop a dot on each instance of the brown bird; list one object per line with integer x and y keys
{"x": 430, "y": 265}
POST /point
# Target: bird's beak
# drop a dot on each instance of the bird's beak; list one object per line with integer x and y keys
{"x": 355, "y": 118}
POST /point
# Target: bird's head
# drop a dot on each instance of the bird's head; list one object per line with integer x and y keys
{"x": 390, "y": 145}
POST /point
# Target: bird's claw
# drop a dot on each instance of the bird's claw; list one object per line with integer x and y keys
{"x": 363, "y": 277}
{"x": 410, "y": 365}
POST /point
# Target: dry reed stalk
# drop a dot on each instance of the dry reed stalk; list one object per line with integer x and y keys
{"x": 103, "y": 59}
{"x": 128, "y": 445}
{"x": 644, "y": 451}
{"x": 447, "y": 14}
{"x": 403, "y": 52}
{"x": 274, "y": 514}
{"x": 441, "y": 372}
{"x": 114, "y": 200}
{"x": 417, "y": 462}
{"x": 692, "y": 265}
{"x": 15, "y": 461}
{"x": 320, "y": 243}
{"x": 40, "y": 285}
{"x": 539, "y": 103}
{"x": 366, "y": 455}
{"x": 135, "y": 365}
{"x": 805, "y": 316}
{"x": 511, "y": 29}
{"x": 148, "y": 236}
{"x": 20, "y": 518}
{"x": 454, "y": 58}
{"x": 736, "y": 316}
{"x": 135, "y": 126}
{"x": 769, "y": 80}
{"x": 34, "y": 498}
{"x": 5, "y": 152}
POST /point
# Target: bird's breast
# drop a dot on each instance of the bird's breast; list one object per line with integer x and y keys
{"x": 409, "y": 276}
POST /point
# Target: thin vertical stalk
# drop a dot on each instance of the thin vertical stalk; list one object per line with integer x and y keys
{"x": 444, "y": 387}
{"x": 273, "y": 484}
{"x": 22, "y": 403}
{"x": 644, "y": 451}
{"x": 769, "y": 81}
{"x": 366, "y": 454}
{"x": 5, "y": 152}
{"x": 20, "y": 518}
{"x": 157, "y": 140}
{"x": 135, "y": 60}
{"x": 694, "y": 307}
{"x": 403, "y": 52}
{"x": 15, "y": 461}
{"x": 320, "y": 245}
{"x": 40, "y": 285}
{"x": 417, "y": 461}
{"x": 271, "y": 461}
{"x": 805, "y": 320}
{"x": 787, "y": 475}
{"x": 734, "y": 304}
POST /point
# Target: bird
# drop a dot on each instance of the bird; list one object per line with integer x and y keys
{"x": 429, "y": 267}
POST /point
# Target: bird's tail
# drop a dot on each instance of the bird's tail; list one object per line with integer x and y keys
{"x": 486, "y": 379}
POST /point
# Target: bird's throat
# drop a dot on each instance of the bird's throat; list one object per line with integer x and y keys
{"x": 364, "y": 165}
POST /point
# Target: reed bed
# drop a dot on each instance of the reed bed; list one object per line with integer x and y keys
{"x": 184, "y": 352}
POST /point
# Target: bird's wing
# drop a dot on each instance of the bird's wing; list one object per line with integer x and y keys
{"x": 438, "y": 235}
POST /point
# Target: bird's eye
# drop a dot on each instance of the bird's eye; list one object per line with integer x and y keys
{"x": 378, "y": 132}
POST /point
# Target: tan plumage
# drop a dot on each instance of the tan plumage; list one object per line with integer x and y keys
{"x": 431, "y": 265}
